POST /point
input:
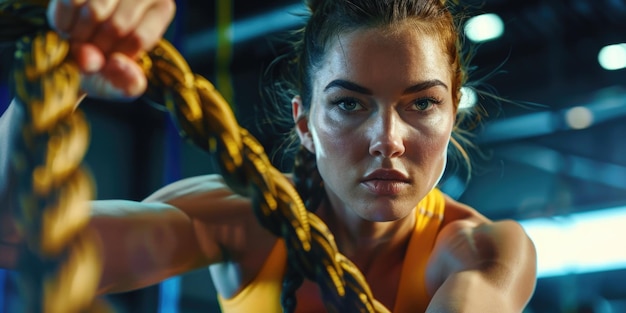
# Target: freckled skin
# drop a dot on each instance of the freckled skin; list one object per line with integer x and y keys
{"x": 388, "y": 132}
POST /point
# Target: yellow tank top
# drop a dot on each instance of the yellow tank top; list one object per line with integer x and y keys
{"x": 263, "y": 293}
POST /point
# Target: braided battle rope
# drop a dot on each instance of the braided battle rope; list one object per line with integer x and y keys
{"x": 206, "y": 119}
{"x": 62, "y": 265}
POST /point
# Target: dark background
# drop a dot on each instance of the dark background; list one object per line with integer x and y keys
{"x": 528, "y": 162}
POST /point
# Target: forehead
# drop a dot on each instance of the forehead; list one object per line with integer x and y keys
{"x": 399, "y": 55}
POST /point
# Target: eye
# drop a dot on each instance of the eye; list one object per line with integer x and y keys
{"x": 349, "y": 105}
{"x": 424, "y": 104}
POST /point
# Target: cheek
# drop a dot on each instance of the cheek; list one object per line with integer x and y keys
{"x": 432, "y": 144}
{"x": 330, "y": 142}
{"x": 332, "y": 138}
{"x": 442, "y": 144}
{"x": 329, "y": 154}
{"x": 441, "y": 128}
{"x": 442, "y": 167}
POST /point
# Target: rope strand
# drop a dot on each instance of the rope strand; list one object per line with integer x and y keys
{"x": 206, "y": 119}
{"x": 62, "y": 264}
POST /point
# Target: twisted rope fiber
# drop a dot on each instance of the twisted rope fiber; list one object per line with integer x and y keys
{"x": 206, "y": 119}
{"x": 62, "y": 264}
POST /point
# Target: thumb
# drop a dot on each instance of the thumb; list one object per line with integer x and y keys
{"x": 121, "y": 78}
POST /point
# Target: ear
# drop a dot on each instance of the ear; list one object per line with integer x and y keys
{"x": 302, "y": 123}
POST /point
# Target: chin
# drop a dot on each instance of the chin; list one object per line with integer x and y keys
{"x": 387, "y": 212}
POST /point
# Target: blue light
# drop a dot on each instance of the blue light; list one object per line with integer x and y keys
{"x": 613, "y": 57}
{"x": 580, "y": 242}
{"x": 468, "y": 98}
{"x": 291, "y": 16}
{"x": 484, "y": 27}
{"x": 3, "y": 275}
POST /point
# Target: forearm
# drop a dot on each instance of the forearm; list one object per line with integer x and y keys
{"x": 10, "y": 124}
{"x": 143, "y": 243}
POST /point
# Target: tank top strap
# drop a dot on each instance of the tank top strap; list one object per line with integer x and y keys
{"x": 412, "y": 295}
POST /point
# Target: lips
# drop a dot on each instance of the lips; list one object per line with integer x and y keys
{"x": 385, "y": 182}
{"x": 386, "y": 174}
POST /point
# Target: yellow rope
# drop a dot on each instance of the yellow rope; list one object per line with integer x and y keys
{"x": 62, "y": 263}
{"x": 61, "y": 266}
{"x": 206, "y": 118}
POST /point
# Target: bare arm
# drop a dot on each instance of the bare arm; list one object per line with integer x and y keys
{"x": 144, "y": 243}
{"x": 10, "y": 123}
{"x": 183, "y": 226}
{"x": 481, "y": 267}
{"x": 105, "y": 43}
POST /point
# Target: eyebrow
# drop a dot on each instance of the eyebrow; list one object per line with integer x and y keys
{"x": 345, "y": 84}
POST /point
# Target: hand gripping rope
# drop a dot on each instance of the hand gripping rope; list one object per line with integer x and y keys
{"x": 61, "y": 264}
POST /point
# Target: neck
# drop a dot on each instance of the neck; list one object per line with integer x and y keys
{"x": 363, "y": 241}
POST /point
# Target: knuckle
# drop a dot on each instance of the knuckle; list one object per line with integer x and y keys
{"x": 171, "y": 7}
{"x": 96, "y": 11}
{"x": 117, "y": 27}
{"x": 133, "y": 43}
{"x": 168, "y": 7}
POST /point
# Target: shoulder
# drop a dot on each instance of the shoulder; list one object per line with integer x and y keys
{"x": 456, "y": 211}
{"x": 500, "y": 252}
{"x": 462, "y": 222}
{"x": 485, "y": 240}
{"x": 485, "y": 234}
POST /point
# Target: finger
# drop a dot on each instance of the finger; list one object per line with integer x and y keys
{"x": 96, "y": 86}
{"x": 90, "y": 16}
{"x": 62, "y": 14}
{"x": 88, "y": 57}
{"x": 125, "y": 74}
{"x": 149, "y": 30}
{"x": 121, "y": 79}
{"x": 123, "y": 20}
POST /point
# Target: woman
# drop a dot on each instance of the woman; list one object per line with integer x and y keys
{"x": 374, "y": 100}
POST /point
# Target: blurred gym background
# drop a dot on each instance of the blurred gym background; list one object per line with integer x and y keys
{"x": 553, "y": 158}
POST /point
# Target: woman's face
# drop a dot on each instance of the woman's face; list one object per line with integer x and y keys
{"x": 380, "y": 121}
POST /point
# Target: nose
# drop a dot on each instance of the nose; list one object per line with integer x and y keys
{"x": 387, "y": 136}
